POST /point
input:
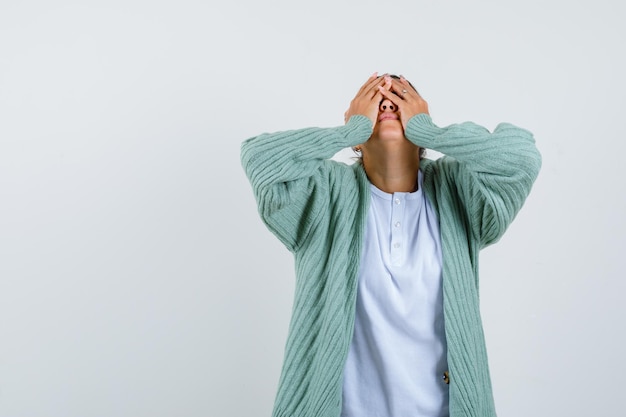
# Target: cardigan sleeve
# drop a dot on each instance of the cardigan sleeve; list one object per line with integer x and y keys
{"x": 493, "y": 172}
{"x": 287, "y": 171}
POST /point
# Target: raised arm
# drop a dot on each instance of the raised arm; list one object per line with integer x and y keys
{"x": 493, "y": 172}
{"x": 289, "y": 171}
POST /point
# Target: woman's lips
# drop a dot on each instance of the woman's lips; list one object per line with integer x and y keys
{"x": 389, "y": 116}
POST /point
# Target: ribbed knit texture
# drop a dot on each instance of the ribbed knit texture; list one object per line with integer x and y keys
{"x": 317, "y": 208}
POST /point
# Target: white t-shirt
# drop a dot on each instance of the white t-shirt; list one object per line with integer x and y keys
{"x": 397, "y": 358}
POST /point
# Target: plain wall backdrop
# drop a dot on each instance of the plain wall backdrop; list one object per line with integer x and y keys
{"x": 136, "y": 278}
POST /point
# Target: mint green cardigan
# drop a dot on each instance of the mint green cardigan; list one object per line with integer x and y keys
{"x": 317, "y": 207}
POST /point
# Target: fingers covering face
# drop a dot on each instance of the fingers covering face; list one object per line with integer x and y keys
{"x": 403, "y": 89}
{"x": 370, "y": 88}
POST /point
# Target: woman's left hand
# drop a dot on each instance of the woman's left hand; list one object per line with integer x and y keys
{"x": 408, "y": 100}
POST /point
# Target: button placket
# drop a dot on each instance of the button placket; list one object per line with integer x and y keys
{"x": 397, "y": 215}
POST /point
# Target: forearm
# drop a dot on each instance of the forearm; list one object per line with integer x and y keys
{"x": 506, "y": 151}
{"x": 291, "y": 155}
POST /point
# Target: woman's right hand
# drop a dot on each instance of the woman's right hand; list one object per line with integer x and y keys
{"x": 367, "y": 100}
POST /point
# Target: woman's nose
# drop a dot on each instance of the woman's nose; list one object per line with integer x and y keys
{"x": 387, "y": 105}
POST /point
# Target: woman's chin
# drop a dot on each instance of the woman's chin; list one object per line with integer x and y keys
{"x": 390, "y": 132}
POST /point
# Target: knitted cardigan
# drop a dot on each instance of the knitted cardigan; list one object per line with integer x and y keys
{"x": 317, "y": 207}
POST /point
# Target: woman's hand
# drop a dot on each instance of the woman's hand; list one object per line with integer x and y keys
{"x": 408, "y": 100}
{"x": 368, "y": 98}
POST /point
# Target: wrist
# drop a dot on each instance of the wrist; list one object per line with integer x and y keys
{"x": 357, "y": 129}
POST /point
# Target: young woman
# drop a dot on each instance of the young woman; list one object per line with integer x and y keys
{"x": 386, "y": 318}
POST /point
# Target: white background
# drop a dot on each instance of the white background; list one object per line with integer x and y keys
{"x": 136, "y": 278}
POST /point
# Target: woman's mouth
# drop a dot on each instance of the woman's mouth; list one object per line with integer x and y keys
{"x": 387, "y": 116}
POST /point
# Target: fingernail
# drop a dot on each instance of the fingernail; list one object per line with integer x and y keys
{"x": 374, "y": 74}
